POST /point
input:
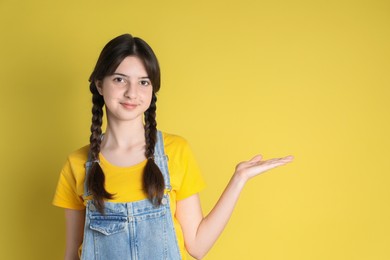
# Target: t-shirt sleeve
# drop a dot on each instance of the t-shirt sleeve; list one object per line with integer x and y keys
{"x": 66, "y": 195}
{"x": 192, "y": 181}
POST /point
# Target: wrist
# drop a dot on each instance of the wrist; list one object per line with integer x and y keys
{"x": 239, "y": 179}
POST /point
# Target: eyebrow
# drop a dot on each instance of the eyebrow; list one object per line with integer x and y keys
{"x": 126, "y": 76}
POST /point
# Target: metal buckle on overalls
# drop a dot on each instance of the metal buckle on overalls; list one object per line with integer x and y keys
{"x": 90, "y": 163}
{"x": 164, "y": 201}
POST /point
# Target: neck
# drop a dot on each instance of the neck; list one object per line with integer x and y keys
{"x": 124, "y": 134}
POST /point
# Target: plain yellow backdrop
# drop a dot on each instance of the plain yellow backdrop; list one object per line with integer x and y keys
{"x": 239, "y": 77}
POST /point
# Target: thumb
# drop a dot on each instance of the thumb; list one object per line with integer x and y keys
{"x": 256, "y": 159}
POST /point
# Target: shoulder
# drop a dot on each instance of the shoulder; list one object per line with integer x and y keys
{"x": 74, "y": 168}
{"x": 70, "y": 187}
{"x": 174, "y": 141}
{"x": 79, "y": 155}
{"x": 185, "y": 175}
{"x": 76, "y": 160}
{"x": 177, "y": 148}
{"x": 176, "y": 145}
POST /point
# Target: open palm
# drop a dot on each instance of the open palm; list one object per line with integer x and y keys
{"x": 256, "y": 165}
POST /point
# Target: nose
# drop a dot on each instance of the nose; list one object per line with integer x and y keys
{"x": 131, "y": 90}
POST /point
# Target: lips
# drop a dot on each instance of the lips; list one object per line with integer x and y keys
{"x": 129, "y": 105}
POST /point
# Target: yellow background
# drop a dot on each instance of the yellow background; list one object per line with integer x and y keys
{"x": 240, "y": 77}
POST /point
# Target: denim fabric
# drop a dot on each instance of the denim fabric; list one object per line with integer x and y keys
{"x": 134, "y": 230}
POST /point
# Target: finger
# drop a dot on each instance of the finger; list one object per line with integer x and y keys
{"x": 287, "y": 159}
{"x": 256, "y": 159}
{"x": 282, "y": 159}
{"x": 277, "y": 161}
{"x": 270, "y": 164}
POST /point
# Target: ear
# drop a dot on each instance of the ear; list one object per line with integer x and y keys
{"x": 98, "y": 84}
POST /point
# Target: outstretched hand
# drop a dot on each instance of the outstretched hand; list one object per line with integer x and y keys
{"x": 256, "y": 166}
{"x": 200, "y": 233}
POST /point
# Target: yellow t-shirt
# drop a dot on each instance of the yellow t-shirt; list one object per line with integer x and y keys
{"x": 126, "y": 182}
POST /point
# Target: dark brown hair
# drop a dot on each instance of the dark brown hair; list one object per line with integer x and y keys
{"x": 111, "y": 56}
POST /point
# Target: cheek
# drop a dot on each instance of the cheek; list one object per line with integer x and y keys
{"x": 148, "y": 97}
{"x": 109, "y": 99}
{"x": 109, "y": 93}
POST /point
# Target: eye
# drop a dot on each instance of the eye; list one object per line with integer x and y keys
{"x": 144, "y": 83}
{"x": 119, "y": 79}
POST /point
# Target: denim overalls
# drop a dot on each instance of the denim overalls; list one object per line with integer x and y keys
{"x": 134, "y": 230}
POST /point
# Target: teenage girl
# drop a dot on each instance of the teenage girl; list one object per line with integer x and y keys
{"x": 132, "y": 193}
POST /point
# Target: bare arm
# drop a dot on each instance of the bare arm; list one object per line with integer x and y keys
{"x": 200, "y": 233}
{"x": 74, "y": 220}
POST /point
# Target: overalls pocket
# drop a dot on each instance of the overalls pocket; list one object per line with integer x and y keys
{"x": 148, "y": 213}
{"x": 108, "y": 225}
{"x": 107, "y": 235}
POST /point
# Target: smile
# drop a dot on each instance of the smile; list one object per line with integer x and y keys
{"x": 129, "y": 105}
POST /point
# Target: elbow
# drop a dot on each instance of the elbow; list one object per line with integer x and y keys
{"x": 197, "y": 256}
{"x": 197, "y": 253}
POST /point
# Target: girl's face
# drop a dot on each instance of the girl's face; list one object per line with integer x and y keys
{"x": 128, "y": 92}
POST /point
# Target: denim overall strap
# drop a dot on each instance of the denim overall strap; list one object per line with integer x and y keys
{"x": 88, "y": 166}
{"x": 161, "y": 160}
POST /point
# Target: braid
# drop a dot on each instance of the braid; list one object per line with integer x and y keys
{"x": 150, "y": 128}
{"x": 96, "y": 176}
{"x": 153, "y": 180}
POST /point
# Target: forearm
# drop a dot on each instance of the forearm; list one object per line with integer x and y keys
{"x": 74, "y": 233}
{"x": 211, "y": 226}
{"x": 71, "y": 255}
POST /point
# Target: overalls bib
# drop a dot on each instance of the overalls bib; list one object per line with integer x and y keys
{"x": 134, "y": 230}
